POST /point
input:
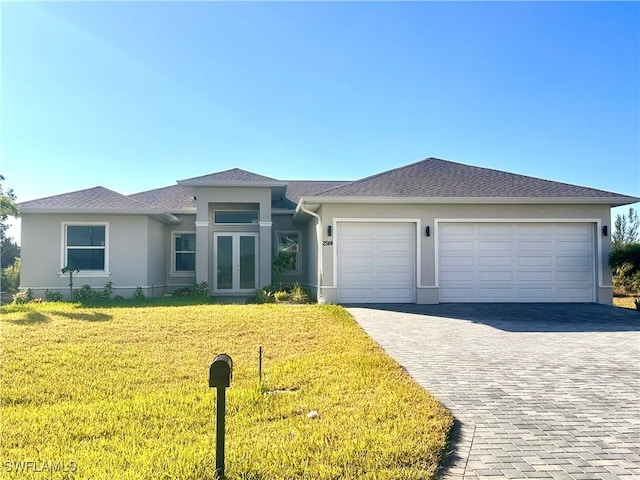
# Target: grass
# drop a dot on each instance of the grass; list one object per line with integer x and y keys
{"x": 122, "y": 393}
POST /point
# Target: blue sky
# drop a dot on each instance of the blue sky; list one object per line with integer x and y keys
{"x": 134, "y": 96}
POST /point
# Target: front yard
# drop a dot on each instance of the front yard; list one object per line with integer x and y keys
{"x": 122, "y": 393}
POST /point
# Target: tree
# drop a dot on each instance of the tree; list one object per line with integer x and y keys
{"x": 8, "y": 207}
{"x": 9, "y": 251}
{"x": 626, "y": 228}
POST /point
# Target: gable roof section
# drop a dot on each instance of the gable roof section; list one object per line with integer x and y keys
{"x": 232, "y": 176}
{"x": 436, "y": 178}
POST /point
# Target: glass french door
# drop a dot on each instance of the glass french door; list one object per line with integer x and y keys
{"x": 235, "y": 262}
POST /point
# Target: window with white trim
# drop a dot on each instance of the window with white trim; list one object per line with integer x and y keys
{"x": 184, "y": 252}
{"x": 85, "y": 247}
{"x": 289, "y": 244}
{"x": 235, "y": 217}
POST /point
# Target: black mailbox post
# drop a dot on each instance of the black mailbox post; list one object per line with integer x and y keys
{"x": 220, "y": 374}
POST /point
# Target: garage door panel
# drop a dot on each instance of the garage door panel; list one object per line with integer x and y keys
{"x": 385, "y": 271}
{"x": 457, "y": 261}
{"x": 534, "y": 230}
{"x": 538, "y": 261}
{"x": 401, "y": 261}
{"x": 495, "y": 276}
{"x": 357, "y": 230}
{"x": 534, "y": 246}
{"x": 455, "y": 229}
{"x": 495, "y": 261}
{"x": 397, "y": 247}
{"x": 528, "y": 262}
{"x": 402, "y": 231}
{"x": 538, "y": 294}
{"x": 574, "y": 276}
{"x": 494, "y": 230}
{"x": 358, "y": 247}
{"x": 535, "y": 276}
{"x": 360, "y": 262}
{"x": 495, "y": 293}
{"x": 457, "y": 246}
{"x": 574, "y": 261}
{"x": 495, "y": 246}
{"x": 456, "y": 276}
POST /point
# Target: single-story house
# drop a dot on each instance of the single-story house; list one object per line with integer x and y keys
{"x": 429, "y": 232}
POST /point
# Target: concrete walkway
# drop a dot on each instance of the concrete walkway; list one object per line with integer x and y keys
{"x": 538, "y": 391}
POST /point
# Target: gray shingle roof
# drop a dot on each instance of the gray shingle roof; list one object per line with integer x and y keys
{"x": 303, "y": 188}
{"x": 233, "y": 175}
{"x": 97, "y": 198}
{"x": 434, "y": 177}
{"x": 173, "y": 198}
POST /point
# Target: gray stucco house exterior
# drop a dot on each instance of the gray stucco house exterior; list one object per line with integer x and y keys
{"x": 429, "y": 232}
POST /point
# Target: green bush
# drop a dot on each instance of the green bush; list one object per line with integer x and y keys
{"x": 86, "y": 293}
{"x": 50, "y": 296}
{"x": 139, "y": 294}
{"x": 201, "y": 289}
{"x": 11, "y": 276}
{"x": 264, "y": 296}
{"x": 624, "y": 261}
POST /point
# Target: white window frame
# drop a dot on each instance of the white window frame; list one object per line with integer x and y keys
{"x": 180, "y": 273}
{"x": 64, "y": 248}
{"x": 299, "y": 257}
{"x": 237, "y": 211}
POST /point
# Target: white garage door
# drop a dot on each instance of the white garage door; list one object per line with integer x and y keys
{"x": 521, "y": 262}
{"x": 376, "y": 262}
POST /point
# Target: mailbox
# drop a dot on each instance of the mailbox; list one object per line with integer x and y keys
{"x": 221, "y": 371}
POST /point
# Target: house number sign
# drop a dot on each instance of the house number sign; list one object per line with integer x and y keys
{"x": 327, "y": 243}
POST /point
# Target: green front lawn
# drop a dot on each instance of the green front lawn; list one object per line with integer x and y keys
{"x": 122, "y": 393}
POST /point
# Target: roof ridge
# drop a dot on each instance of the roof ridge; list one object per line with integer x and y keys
{"x": 383, "y": 173}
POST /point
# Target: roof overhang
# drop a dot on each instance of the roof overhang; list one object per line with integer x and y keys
{"x": 313, "y": 203}
{"x": 278, "y": 188}
{"x": 164, "y": 217}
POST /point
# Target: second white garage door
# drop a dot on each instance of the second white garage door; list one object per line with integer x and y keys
{"x": 376, "y": 262}
{"x": 516, "y": 262}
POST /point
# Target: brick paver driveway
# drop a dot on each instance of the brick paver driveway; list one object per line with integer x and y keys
{"x": 538, "y": 391}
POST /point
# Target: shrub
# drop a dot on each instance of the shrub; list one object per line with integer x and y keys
{"x": 201, "y": 289}
{"x": 50, "y": 296}
{"x": 281, "y": 296}
{"x": 11, "y": 276}
{"x": 23, "y": 297}
{"x": 139, "y": 294}
{"x": 624, "y": 261}
{"x": 299, "y": 293}
{"x": 83, "y": 293}
{"x": 264, "y": 296}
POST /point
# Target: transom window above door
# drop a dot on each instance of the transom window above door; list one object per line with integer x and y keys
{"x": 236, "y": 217}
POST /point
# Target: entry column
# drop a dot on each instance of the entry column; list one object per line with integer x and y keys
{"x": 265, "y": 254}
{"x": 202, "y": 252}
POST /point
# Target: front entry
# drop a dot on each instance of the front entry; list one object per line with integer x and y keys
{"x": 235, "y": 263}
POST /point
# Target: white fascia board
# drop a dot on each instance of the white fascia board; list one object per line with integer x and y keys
{"x": 165, "y": 217}
{"x": 312, "y": 202}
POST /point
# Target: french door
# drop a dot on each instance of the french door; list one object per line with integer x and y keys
{"x": 235, "y": 262}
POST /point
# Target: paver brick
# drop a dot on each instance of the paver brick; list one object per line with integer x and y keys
{"x": 538, "y": 391}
